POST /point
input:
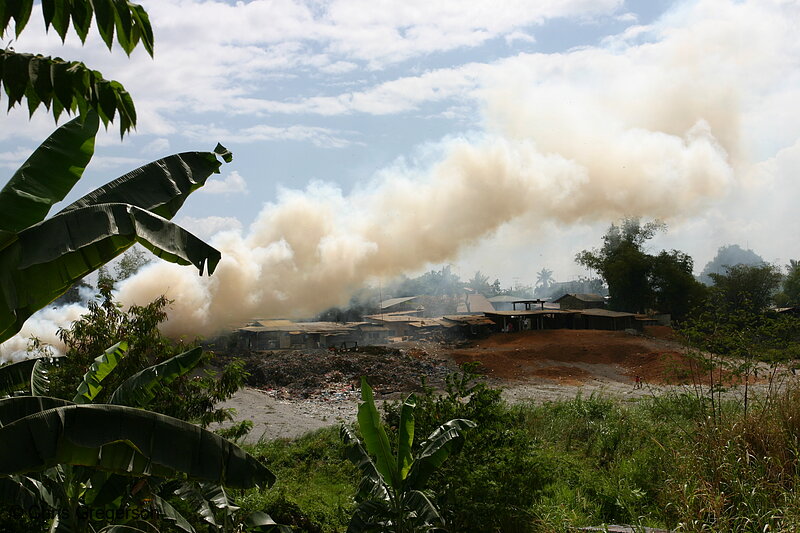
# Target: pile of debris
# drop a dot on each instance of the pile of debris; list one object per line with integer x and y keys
{"x": 335, "y": 375}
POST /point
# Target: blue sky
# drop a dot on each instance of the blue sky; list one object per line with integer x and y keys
{"x": 374, "y": 138}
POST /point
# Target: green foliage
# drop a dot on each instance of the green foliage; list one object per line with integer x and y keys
{"x": 675, "y": 290}
{"x": 69, "y": 85}
{"x": 491, "y": 482}
{"x": 746, "y": 286}
{"x": 391, "y": 493}
{"x": 187, "y": 397}
{"x": 64, "y": 86}
{"x": 623, "y": 264}
{"x": 315, "y": 485}
{"x": 638, "y": 281}
{"x": 791, "y": 284}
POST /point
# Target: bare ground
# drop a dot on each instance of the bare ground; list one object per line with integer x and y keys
{"x": 296, "y": 392}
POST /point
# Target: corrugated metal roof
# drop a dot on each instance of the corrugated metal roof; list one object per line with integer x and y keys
{"x": 583, "y": 297}
{"x": 604, "y": 312}
{"x": 296, "y": 328}
{"x": 534, "y": 312}
{"x": 503, "y": 299}
{"x": 477, "y": 303}
{"x": 391, "y": 302}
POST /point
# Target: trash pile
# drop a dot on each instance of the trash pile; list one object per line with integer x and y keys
{"x": 331, "y": 376}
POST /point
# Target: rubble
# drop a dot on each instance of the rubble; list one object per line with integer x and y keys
{"x": 335, "y": 375}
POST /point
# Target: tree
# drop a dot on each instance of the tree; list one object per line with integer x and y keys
{"x": 544, "y": 278}
{"x": 623, "y": 264}
{"x": 40, "y": 258}
{"x": 748, "y": 287}
{"x": 791, "y": 284}
{"x": 675, "y": 290}
{"x": 480, "y": 283}
{"x": 728, "y": 256}
{"x": 70, "y": 86}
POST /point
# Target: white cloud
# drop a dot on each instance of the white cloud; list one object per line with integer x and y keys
{"x": 519, "y": 36}
{"x": 157, "y": 147}
{"x": 232, "y": 183}
{"x": 206, "y": 227}
{"x": 14, "y": 158}
{"x": 321, "y": 137}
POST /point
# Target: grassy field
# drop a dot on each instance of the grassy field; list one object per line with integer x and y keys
{"x": 661, "y": 462}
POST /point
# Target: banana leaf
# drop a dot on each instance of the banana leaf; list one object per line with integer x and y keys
{"x": 444, "y": 440}
{"x": 17, "y": 407}
{"x": 40, "y": 377}
{"x": 161, "y": 186}
{"x": 139, "y": 389}
{"x": 49, "y": 257}
{"x": 375, "y": 439}
{"x": 405, "y": 437}
{"x": 372, "y": 484}
{"x": 169, "y": 513}
{"x": 126, "y": 440}
{"x": 102, "y": 366}
{"x": 48, "y": 175}
{"x": 16, "y": 377}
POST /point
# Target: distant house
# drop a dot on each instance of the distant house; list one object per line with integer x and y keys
{"x": 605, "y": 319}
{"x": 503, "y": 303}
{"x": 581, "y": 301}
{"x": 285, "y": 334}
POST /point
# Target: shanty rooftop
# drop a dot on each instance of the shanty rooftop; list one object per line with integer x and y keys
{"x": 582, "y": 297}
{"x": 391, "y": 302}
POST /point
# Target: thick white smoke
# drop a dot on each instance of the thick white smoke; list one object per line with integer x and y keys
{"x": 309, "y": 250}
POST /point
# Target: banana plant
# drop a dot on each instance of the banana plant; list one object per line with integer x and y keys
{"x": 87, "y": 465}
{"x": 391, "y": 493}
{"x": 40, "y": 258}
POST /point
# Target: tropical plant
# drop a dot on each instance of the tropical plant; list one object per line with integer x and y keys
{"x": 544, "y": 278}
{"x": 391, "y": 493}
{"x": 41, "y": 258}
{"x": 70, "y": 86}
{"x": 81, "y": 484}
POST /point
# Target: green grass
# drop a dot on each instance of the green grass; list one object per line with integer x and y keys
{"x": 315, "y": 486}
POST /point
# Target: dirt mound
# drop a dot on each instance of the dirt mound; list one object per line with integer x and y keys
{"x": 576, "y": 356}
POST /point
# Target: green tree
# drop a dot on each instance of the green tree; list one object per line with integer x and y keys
{"x": 791, "y": 284}
{"x": 675, "y": 290}
{"x": 747, "y": 287}
{"x": 623, "y": 263}
{"x": 191, "y": 399}
{"x": 70, "y": 86}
